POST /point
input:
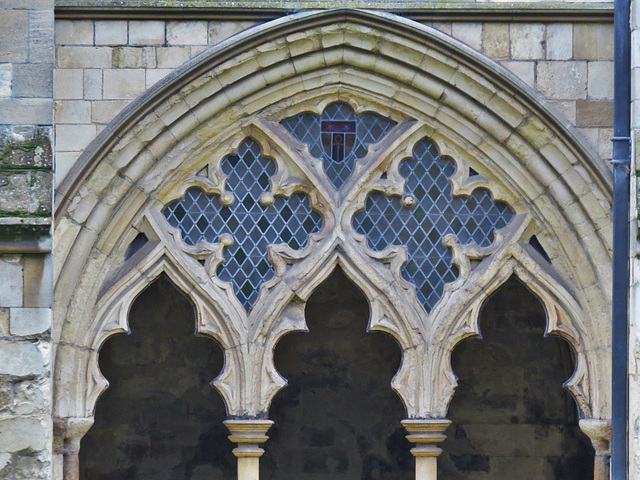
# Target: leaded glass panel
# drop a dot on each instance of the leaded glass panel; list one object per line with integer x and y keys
{"x": 338, "y": 137}
{"x": 253, "y": 225}
{"x": 435, "y": 214}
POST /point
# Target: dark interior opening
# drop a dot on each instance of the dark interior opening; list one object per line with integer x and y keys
{"x": 338, "y": 418}
{"x": 511, "y": 416}
{"x": 160, "y": 418}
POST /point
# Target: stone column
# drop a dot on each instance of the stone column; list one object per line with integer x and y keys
{"x": 248, "y": 434}
{"x": 70, "y": 432}
{"x": 426, "y": 433}
{"x": 599, "y": 432}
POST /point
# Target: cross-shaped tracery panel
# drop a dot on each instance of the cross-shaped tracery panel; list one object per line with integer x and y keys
{"x": 253, "y": 224}
{"x": 422, "y": 224}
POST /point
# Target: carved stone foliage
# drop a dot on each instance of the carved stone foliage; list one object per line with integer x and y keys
{"x": 261, "y": 224}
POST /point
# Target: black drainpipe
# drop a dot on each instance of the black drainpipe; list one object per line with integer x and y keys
{"x": 621, "y": 192}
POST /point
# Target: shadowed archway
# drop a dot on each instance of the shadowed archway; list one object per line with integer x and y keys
{"x": 510, "y": 412}
{"x": 160, "y": 418}
{"x": 338, "y": 416}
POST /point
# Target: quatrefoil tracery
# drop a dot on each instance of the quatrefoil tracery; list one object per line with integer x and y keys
{"x": 419, "y": 221}
{"x": 251, "y": 216}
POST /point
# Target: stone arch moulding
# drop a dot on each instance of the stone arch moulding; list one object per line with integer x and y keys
{"x": 475, "y": 112}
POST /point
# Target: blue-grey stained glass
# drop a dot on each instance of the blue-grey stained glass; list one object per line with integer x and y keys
{"x": 253, "y": 226}
{"x": 423, "y": 227}
{"x": 338, "y": 137}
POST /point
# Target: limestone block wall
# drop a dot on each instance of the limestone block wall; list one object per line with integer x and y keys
{"x": 103, "y": 65}
{"x": 26, "y": 120}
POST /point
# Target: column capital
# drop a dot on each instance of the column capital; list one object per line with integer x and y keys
{"x": 599, "y": 432}
{"x": 426, "y": 433}
{"x": 69, "y": 431}
{"x": 248, "y": 434}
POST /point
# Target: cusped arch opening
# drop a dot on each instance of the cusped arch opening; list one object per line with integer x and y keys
{"x": 160, "y": 417}
{"x": 510, "y": 407}
{"x": 338, "y": 416}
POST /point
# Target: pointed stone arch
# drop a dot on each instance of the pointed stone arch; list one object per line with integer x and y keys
{"x": 476, "y": 112}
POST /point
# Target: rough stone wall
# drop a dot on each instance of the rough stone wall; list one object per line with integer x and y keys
{"x": 510, "y": 412}
{"x": 102, "y": 66}
{"x": 26, "y": 111}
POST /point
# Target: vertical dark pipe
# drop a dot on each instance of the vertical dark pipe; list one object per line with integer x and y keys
{"x": 621, "y": 191}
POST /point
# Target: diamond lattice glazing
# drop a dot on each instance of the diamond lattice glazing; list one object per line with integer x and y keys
{"x": 253, "y": 226}
{"x": 338, "y": 122}
{"x": 436, "y": 213}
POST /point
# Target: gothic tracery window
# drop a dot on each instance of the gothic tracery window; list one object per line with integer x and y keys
{"x": 247, "y": 218}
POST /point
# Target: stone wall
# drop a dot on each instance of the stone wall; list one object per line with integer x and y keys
{"x": 26, "y": 111}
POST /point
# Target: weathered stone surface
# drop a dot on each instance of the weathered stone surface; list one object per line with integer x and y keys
{"x": 4, "y": 325}
{"x": 172, "y": 57}
{"x": 146, "y": 32}
{"x": 26, "y": 111}
{"x": 74, "y": 138}
{"x": 594, "y": 113}
{"x": 41, "y": 33}
{"x": 27, "y": 147}
{"x": 38, "y": 281}
{"x": 600, "y": 83}
{"x": 33, "y": 80}
{"x": 28, "y": 467}
{"x": 134, "y": 57}
{"x": 469, "y": 33}
{"x": 12, "y": 282}
{"x": 6, "y": 75}
{"x": 5, "y": 466}
{"x": 79, "y": 57}
{"x": 29, "y": 321}
{"x": 559, "y": 41}
{"x": 92, "y": 84}
{"x": 219, "y": 31}
{"x": 28, "y": 398}
{"x": 25, "y": 193}
{"x": 187, "y": 33}
{"x": 527, "y": 41}
{"x": 14, "y": 36}
{"x": 123, "y": 84}
{"x": 20, "y": 359}
{"x": 74, "y": 32}
{"x": 562, "y": 80}
{"x": 593, "y": 41}
{"x": 72, "y": 111}
{"x": 111, "y": 32}
{"x": 68, "y": 84}
{"x": 495, "y": 42}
